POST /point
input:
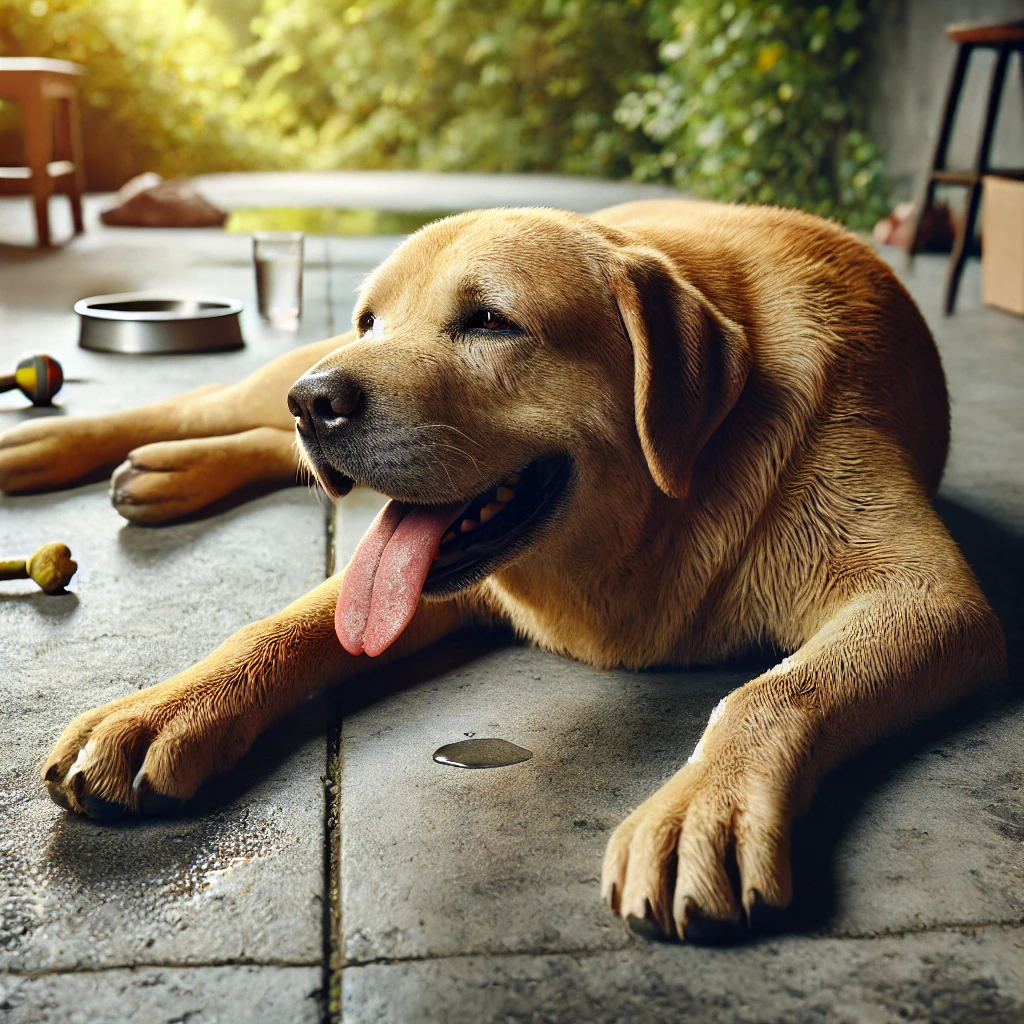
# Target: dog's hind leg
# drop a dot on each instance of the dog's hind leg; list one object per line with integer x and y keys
{"x": 47, "y": 454}
{"x": 170, "y": 479}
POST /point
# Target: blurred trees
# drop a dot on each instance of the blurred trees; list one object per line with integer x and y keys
{"x": 760, "y": 101}
{"x": 163, "y": 90}
{"x": 494, "y": 85}
{"x": 744, "y": 100}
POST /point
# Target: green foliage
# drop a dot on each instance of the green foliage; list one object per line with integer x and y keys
{"x": 758, "y": 102}
{"x": 491, "y": 85}
{"x": 748, "y": 100}
{"x": 163, "y": 88}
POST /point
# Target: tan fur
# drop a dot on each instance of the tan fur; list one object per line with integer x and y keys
{"x": 757, "y": 418}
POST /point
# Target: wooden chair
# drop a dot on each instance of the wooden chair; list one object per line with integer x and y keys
{"x": 1005, "y": 39}
{"x": 47, "y": 91}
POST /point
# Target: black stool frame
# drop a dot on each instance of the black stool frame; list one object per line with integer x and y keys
{"x": 940, "y": 174}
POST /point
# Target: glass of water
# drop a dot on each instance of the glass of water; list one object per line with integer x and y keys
{"x": 277, "y": 256}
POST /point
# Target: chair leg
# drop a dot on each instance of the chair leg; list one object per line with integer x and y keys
{"x": 956, "y": 82}
{"x": 966, "y": 233}
{"x": 961, "y": 245}
{"x": 78, "y": 157}
{"x": 38, "y": 151}
{"x": 74, "y": 141}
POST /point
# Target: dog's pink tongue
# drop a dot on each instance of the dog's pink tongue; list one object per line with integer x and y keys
{"x": 384, "y": 580}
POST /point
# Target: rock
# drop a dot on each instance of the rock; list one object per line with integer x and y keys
{"x": 147, "y": 201}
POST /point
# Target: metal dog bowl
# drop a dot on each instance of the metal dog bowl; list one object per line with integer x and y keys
{"x": 144, "y": 323}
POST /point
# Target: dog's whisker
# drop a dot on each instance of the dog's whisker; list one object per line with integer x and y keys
{"x": 455, "y": 448}
{"x": 448, "y": 426}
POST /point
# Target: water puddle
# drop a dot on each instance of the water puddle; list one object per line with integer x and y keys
{"x": 315, "y": 220}
{"x": 481, "y": 753}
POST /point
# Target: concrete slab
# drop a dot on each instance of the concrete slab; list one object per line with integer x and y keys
{"x": 239, "y": 877}
{"x": 447, "y": 874}
{"x": 203, "y": 995}
{"x": 442, "y": 861}
{"x": 943, "y": 978}
{"x": 438, "y": 861}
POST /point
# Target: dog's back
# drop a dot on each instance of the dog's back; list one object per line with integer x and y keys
{"x": 836, "y": 338}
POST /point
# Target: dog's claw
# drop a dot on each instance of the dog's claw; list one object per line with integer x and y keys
{"x": 57, "y": 793}
{"x": 73, "y": 781}
{"x": 642, "y": 928}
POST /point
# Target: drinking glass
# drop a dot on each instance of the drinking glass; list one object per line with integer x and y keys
{"x": 277, "y": 257}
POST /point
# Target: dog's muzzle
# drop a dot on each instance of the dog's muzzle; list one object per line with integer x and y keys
{"x": 328, "y": 408}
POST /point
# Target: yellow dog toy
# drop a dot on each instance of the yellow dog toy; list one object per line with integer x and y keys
{"x": 50, "y": 566}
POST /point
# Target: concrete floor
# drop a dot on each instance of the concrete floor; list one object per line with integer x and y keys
{"x": 464, "y": 896}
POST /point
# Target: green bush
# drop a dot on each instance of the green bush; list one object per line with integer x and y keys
{"x": 163, "y": 89}
{"x": 490, "y": 85}
{"x": 760, "y": 102}
{"x": 747, "y": 100}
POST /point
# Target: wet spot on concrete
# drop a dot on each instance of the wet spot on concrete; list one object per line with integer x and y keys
{"x": 61, "y": 871}
{"x": 229, "y": 851}
{"x": 481, "y": 753}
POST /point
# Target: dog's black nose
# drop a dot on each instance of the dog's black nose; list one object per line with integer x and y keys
{"x": 326, "y": 400}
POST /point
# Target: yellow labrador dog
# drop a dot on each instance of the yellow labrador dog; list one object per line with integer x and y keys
{"x": 657, "y": 435}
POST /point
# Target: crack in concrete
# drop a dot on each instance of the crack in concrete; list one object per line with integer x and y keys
{"x": 1010, "y": 924}
{"x": 169, "y": 965}
{"x": 924, "y": 929}
{"x": 135, "y": 965}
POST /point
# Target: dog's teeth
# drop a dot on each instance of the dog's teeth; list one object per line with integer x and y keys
{"x": 490, "y": 511}
{"x": 505, "y": 494}
{"x": 468, "y": 524}
{"x": 450, "y": 535}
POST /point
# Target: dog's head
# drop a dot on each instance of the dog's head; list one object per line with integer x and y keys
{"x": 509, "y": 365}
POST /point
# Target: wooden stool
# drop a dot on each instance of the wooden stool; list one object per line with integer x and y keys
{"x": 47, "y": 91}
{"x": 1005, "y": 39}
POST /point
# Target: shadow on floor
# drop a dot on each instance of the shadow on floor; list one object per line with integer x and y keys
{"x": 997, "y": 557}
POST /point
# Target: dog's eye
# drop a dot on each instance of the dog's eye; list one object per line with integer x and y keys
{"x": 489, "y": 320}
{"x": 366, "y": 323}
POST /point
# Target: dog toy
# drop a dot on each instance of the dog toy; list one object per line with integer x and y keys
{"x": 51, "y": 566}
{"x": 38, "y": 378}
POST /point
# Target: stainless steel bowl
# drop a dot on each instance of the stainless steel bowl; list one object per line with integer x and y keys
{"x": 145, "y": 323}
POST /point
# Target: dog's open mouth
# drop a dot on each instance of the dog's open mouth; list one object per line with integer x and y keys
{"x": 438, "y": 550}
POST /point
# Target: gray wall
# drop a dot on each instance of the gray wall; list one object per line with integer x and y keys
{"x": 909, "y": 72}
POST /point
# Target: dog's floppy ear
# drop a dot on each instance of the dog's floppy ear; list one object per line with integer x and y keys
{"x": 689, "y": 364}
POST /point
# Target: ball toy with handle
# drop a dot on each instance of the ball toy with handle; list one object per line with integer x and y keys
{"x": 51, "y": 566}
{"x": 38, "y": 378}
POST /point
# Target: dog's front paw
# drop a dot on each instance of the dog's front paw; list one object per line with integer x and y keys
{"x": 146, "y": 753}
{"x": 169, "y": 479}
{"x": 53, "y": 452}
{"x": 708, "y": 843}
